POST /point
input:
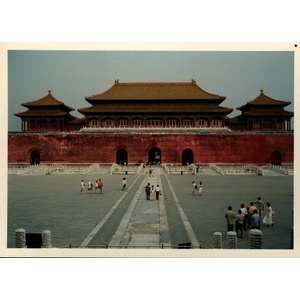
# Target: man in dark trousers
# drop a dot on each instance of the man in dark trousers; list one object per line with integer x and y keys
{"x": 230, "y": 216}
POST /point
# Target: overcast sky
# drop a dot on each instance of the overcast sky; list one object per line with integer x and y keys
{"x": 73, "y": 75}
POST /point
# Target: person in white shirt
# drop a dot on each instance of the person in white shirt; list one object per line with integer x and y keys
{"x": 157, "y": 192}
{"x": 245, "y": 215}
{"x": 90, "y": 186}
{"x": 82, "y": 185}
{"x": 124, "y": 183}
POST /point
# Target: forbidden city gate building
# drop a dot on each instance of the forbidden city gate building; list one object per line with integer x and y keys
{"x": 175, "y": 122}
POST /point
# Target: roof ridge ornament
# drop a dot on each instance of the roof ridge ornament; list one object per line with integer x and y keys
{"x": 49, "y": 92}
{"x": 116, "y": 81}
{"x": 193, "y": 81}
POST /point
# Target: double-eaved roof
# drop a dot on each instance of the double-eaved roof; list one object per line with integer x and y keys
{"x": 264, "y": 105}
{"x": 155, "y": 97}
{"x": 155, "y": 91}
{"x": 47, "y": 106}
{"x": 263, "y": 100}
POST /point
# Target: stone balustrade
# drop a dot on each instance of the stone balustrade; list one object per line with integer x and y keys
{"x": 236, "y": 170}
{"x": 180, "y": 169}
{"x": 158, "y": 130}
{"x": 280, "y": 169}
{"x": 126, "y": 170}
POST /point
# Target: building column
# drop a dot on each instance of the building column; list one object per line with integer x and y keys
{"x": 260, "y": 124}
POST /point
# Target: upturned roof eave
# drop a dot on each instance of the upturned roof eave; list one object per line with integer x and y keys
{"x": 46, "y": 101}
{"x": 136, "y": 94}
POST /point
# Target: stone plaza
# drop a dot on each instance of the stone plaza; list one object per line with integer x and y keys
{"x": 119, "y": 219}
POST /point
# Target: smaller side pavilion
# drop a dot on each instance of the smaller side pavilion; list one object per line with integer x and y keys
{"x": 262, "y": 114}
{"x": 48, "y": 114}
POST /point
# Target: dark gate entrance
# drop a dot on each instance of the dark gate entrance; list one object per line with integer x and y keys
{"x": 154, "y": 156}
{"x": 276, "y": 158}
{"x": 187, "y": 157}
{"x": 122, "y": 157}
{"x": 35, "y": 158}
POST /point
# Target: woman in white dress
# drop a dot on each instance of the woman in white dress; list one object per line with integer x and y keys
{"x": 268, "y": 217}
{"x": 152, "y": 193}
{"x": 200, "y": 189}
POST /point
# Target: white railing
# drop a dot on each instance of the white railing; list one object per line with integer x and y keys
{"x": 164, "y": 130}
{"x": 180, "y": 169}
{"x": 236, "y": 170}
{"x": 69, "y": 169}
{"x": 22, "y": 170}
{"x": 126, "y": 170}
{"x": 280, "y": 169}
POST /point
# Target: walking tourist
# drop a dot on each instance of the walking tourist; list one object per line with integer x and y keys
{"x": 100, "y": 186}
{"x": 269, "y": 216}
{"x": 96, "y": 188}
{"x": 230, "y": 216}
{"x": 239, "y": 223}
{"x": 194, "y": 188}
{"x": 252, "y": 208}
{"x": 245, "y": 215}
{"x": 152, "y": 193}
{"x": 260, "y": 206}
{"x": 255, "y": 220}
{"x": 200, "y": 189}
{"x": 124, "y": 184}
{"x": 157, "y": 192}
{"x": 90, "y": 186}
{"x": 82, "y": 185}
{"x": 148, "y": 190}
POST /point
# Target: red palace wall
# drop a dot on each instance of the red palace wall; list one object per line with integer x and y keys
{"x": 102, "y": 148}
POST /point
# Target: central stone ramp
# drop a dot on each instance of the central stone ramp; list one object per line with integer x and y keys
{"x": 144, "y": 225}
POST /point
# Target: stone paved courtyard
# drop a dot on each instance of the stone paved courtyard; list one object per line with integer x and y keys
{"x": 54, "y": 202}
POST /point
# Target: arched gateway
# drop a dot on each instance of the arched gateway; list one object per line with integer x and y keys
{"x": 154, "y": 155}
{"x": 187, "y": 157}
{"x": 276, "y": 158}
{"x": 121, "y": 157}
{"x": 35, "y": 158}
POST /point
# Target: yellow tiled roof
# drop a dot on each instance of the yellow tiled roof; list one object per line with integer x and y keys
{"x": 155, "y": 91}
{"x": 48, "y": 100}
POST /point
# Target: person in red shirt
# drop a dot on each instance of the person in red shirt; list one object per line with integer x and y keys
{"x": 100, "y": 186}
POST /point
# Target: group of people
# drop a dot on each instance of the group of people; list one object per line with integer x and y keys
{"x": 197, "y": 190}
{"x": 249, "y": 217}
{"x": 150, "y": 173}
{"x": 96, "y": 188}
{"x": 152, "y": 192}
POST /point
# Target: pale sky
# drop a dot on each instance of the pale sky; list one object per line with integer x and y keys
{"x": 73, "y": 75}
